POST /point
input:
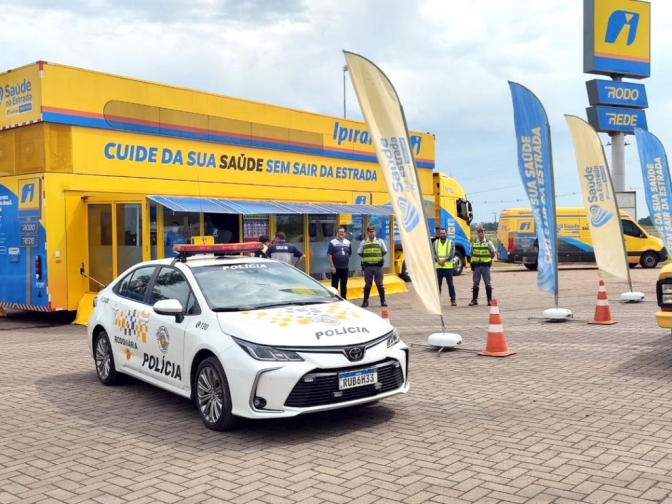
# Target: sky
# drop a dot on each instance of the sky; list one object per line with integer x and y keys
{"x": 449, "y": 61}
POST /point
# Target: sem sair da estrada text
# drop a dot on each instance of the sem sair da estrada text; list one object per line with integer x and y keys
{"x": 532, "y": 152}
{"x": 239, "y": 162}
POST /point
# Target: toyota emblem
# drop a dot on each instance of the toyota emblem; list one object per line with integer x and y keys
{"x": 355, "y": 353}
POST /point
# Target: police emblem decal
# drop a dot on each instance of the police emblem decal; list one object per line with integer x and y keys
{"x": 163, "y": 338}
{"x": 325, "y": 319}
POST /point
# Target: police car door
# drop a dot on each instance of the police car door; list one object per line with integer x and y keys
{"x": 130, "y": 314}
{"x": 164, "y": 359}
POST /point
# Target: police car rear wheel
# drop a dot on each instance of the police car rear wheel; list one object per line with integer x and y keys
{"x": 105, "y": 369}
{"x": 213, "y": 398}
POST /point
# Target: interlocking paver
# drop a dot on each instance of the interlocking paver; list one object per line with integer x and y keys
{"x": 7, "y": 498}
{"x": 580, "y": 414}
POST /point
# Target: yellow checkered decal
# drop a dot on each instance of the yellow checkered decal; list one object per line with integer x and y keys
{"x": 130, "y": 324}
{"x": 333, "y": 315}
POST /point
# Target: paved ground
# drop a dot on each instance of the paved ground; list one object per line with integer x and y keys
{"x": 581, "y": 413}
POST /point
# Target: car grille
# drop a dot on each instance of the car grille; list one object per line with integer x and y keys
{"x": 320, "y": 386}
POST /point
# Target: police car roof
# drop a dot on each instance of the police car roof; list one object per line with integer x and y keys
{"x": 207, "y": 260}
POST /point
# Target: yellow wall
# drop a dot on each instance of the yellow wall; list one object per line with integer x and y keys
{"x": 101, "y": 152}
{"x": 114, "y": 100}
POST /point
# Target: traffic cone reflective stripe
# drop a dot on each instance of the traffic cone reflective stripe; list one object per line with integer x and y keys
{"x": 496, "y": 343}
{"x": 602, "y": 311}
{"x": 496, "y": 328}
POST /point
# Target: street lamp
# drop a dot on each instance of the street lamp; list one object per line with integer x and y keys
{"x": 345, "y": 69}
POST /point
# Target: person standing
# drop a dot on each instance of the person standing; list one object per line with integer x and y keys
{"x": 437, "y": 234}
{"x": 372, "y": 250}
{"x": 173, "y": 237}
{"x": 265, "y": 241}
{"x": 482, "y": 254}
{"x": 211, "y": 230}
{"x": 338, "y": 255}
{"x": 283, "y": 251}
{"x": 444, "y": 252}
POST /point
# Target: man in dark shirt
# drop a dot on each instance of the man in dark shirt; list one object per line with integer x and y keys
{"x": 265, "y": 241}
{"x": 338, "y": 255}
{"x": 285, "y": 252}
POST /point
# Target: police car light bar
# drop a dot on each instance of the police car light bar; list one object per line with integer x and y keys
{"x": 220, "y": 248}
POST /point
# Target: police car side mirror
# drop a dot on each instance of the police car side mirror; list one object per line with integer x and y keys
{"x": 170, "y": 307}
{"x": 332, "y": 290}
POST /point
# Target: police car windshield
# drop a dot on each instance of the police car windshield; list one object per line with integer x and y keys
{"x": 250, "y": 286}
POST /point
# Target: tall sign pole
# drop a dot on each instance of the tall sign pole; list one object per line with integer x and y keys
{"x": 617, "y": 43}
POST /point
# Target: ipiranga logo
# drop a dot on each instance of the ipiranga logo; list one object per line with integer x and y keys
{"x": 619, "y": 21}
{"x": 410, "y": 215}
{"x": 599, "y": 216}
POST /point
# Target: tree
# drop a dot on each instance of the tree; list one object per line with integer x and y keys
{"x": 645, "y": 222}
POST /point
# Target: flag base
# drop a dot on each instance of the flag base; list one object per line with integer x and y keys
{"x": 557, "y": 314}
{"x": 444, "y": 340}
{"x": 632, "y": 297}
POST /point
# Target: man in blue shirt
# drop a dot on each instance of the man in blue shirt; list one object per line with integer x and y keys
{"x": 285, "y": 252}
{"x": 338, "y": 255}
{"x": 173, "y": 237}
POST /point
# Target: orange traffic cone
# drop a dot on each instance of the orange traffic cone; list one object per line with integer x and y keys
{"x": 602, "y": 311}
{"x": 496, "y": 344}
{"x": 385, "y": 315}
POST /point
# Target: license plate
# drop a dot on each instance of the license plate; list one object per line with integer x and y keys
{"x": 360, "y": 378}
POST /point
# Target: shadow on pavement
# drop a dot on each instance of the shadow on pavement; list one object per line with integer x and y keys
{"x": 17, "y": 319}
{"x": 654, "y": 362}
{"x": 154, "y": 415}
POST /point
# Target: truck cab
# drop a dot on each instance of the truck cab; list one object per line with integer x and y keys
{"x": 664, "y": 297}
{"x": 450, "y": 210}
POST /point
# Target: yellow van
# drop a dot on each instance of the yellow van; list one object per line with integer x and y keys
{"x": 516, "y": 235}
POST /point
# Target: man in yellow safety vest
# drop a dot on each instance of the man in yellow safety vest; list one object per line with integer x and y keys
{"x": 444, "y": 252}
{"x": 482, "y": 254}
{"x": 372, "y": 250}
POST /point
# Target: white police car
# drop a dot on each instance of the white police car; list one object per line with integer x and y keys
{"x": 243, "y": 336}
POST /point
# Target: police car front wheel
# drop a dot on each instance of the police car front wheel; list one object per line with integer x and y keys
{"x": 213, "y": 398}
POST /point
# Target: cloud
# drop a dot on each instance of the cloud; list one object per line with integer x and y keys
{"x": 172, "y": 12}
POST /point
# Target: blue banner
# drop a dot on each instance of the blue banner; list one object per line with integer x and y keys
{"x": 656, "y": 175}
{"x": 533, "y": 136}
{"x": 619, "y": 94}
{"x": 608, "y": 119}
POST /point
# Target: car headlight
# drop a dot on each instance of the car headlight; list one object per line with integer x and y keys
{"x": 665, "y": 294}
{"x": 393, "y": 339}
{"x": 267, "y": 353}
